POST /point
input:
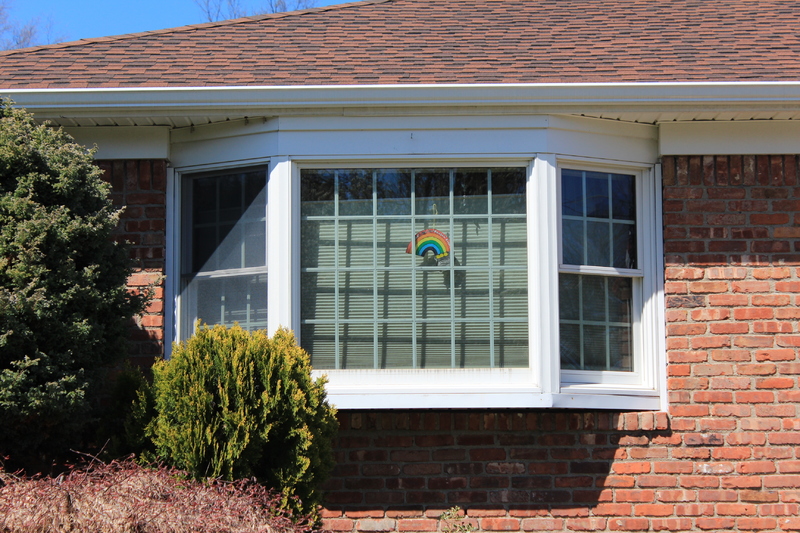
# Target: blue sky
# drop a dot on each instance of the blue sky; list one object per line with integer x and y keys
{"x": 80, "y": 19}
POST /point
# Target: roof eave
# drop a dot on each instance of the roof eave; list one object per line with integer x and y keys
{"x": 237, "y": 101}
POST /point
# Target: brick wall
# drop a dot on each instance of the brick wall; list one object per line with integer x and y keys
{"x": 140, "y": 186}
{"x": 726, "y": 457}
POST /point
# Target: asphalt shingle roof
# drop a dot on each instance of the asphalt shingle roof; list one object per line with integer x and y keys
{"x": 439, "y": 41}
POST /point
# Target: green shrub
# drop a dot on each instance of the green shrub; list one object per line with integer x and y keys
{"x": 233, "y": 404}
{"x": 64, "y": 306}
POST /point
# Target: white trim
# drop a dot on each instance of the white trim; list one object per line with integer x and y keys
{"x": 125, "y": 142}
{"x": 543, "y": 278}
{"x": 280, "y": 247}
{"x": 721, "y": 138}
{"x": 646, "y": 378}
{"x": 210, "y": 100}
{"x": 171, "y": 261}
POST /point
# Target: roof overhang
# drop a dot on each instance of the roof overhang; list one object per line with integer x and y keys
{"x": 636, "y": 102}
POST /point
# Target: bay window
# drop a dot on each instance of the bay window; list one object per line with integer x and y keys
{"x": 513, "y": 283}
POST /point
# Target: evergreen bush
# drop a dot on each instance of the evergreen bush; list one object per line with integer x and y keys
{"x": 233, "y": 404}
{"x": 64, "y": 306}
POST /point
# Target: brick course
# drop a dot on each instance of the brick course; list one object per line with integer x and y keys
{"x": 140, "y": 186}
{"x": 725, "y": 457}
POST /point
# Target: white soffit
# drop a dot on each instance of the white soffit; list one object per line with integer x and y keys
{"x": 124, "y": 142}
{"x": 724, "y": 138}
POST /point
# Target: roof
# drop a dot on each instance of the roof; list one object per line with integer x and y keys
{"x": 387, "y": 42}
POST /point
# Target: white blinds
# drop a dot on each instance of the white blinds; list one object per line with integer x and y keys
{"x": 366, "y": 303}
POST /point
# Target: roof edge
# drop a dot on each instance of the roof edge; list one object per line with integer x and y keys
{"x": 190, "y": 27}
{"x": 261, "y": 100}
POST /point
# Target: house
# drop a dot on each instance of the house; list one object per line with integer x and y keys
{"x": 547, "y": 252}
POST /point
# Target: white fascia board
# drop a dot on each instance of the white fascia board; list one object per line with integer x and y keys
{"x": 725, "y": 138}
{"x": 569, "y": 97}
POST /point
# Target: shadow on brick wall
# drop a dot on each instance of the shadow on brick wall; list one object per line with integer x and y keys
{"x": 508, "y": 460}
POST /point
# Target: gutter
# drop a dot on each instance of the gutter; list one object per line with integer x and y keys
{"x": 567, "y": 98}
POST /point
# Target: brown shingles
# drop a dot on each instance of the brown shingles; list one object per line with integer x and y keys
{"x": 441, "y": 41}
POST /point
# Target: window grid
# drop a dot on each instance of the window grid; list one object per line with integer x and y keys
{"x": 213, "y": 279}
{"x": 607, "y": 272}
{"x": 416, "y": 323}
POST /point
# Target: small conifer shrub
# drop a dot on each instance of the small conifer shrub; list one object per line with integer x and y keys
{"x": 232, "y": 404}
{"x": 64, "y": 306}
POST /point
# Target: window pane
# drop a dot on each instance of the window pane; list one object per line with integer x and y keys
{"x": 596, "y": 195}
{"x": 394, "y": 295}
{"x": 470, "y": 191}
{"x": 621, "y": 349}
{"x": 356, "y": 296}
{"x": 598, "y": 249}
{"x": 357, "y": 345}
{"x": 596, "y": 322}
{"x": 509, "y": 242}
{"x": 318, "y": 249}
{"x": 472, "y": 294}
{"x": 355, "y": 192}
{"x": 511, "y": 344}
{"x": 393, "y": 238}
{"x": 510, "y": 292}
{"x": 569, "y": 300}
{"x": 593, "y": 296}
{"x": 586, "y": 197}
{"x": 423, "y": 287}
{"x": 318, "y": 289}
{"x": 570, "y": 347}
{"x": 226, "y": 300}
{"x": 623, "y": 195}
{"x": 470, "y": 242}
{"x": 319, "y": 340}
{"x": 356, "y": 244}
{"x": 317, "y": 192}
{"x": 433, "y": 294}
{"x": 434, "y": 345}
{"x": 571, "y": 193}
{"x": 594, "y": 348}
{"x": 473, "y": 348}
{"x": 225, "y": 230}
{"x": 395, "y": 345}
{"x": 394, "y": 192}
{"x": 624, "y": 246}
{"x": 508, "y": 190}
{"x": 572, "y": 242}
{"x": 432, "y": 191}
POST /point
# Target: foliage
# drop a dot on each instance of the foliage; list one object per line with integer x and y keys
{"x": 454, "y": 521}
{"x": 127, "y": 411}
{"x": 14, "y": 34}
{"x": 124, "y": 496}
{"x": 64, "y": 306}
{"x": 234, "y": 404}
{"x": 215, "y": 10}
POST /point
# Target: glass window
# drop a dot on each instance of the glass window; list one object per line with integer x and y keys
{"x": 414, "y": 268}
{"x": 224, "y": 258}
{"x": 598, "y": 270}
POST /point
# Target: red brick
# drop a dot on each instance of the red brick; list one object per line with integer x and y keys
{"x": 542, "y": 524}
{"x": 629, "y": 524}
{"x": 706, "y": 523}
{"x": 749, "y": 523}
{"x": 654, "y": 509}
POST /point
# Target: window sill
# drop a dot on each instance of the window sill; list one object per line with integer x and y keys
{"x": 470, "y": 389}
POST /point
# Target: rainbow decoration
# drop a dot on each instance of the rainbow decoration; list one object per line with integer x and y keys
{"x": 429, "y": 240}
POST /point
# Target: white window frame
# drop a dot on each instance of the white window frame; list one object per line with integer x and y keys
{"x": 542, "y": 384}
{"x": 643, "y": 380}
